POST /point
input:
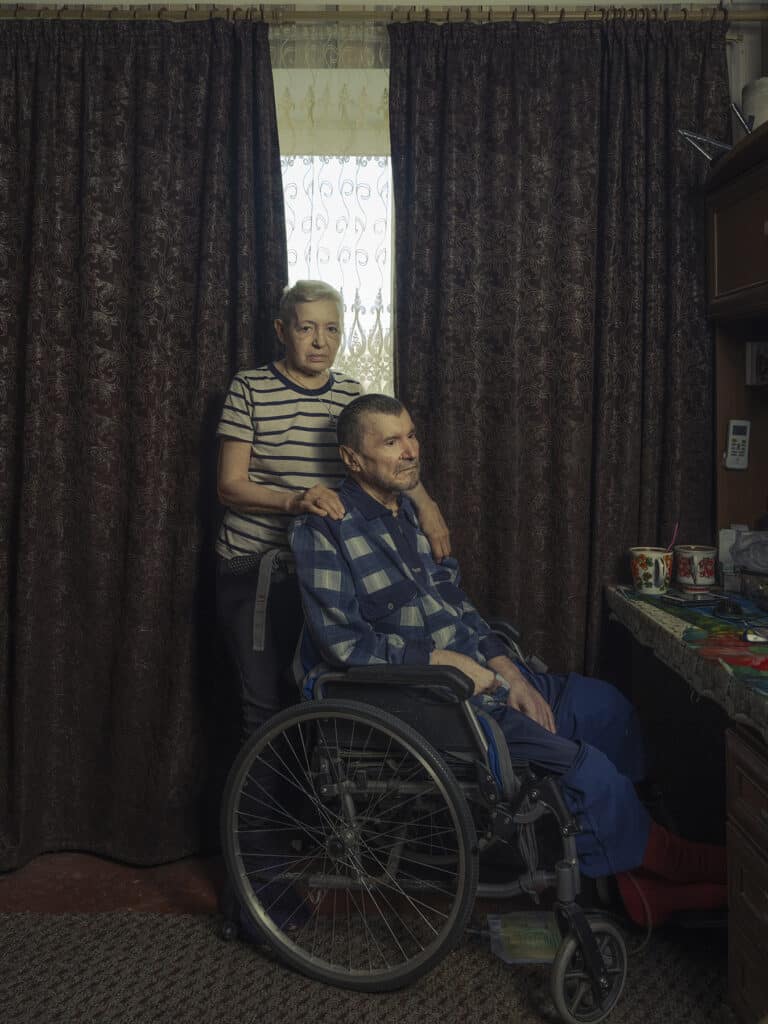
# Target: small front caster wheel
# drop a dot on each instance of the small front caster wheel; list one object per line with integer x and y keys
{"x": 577, "y": 998}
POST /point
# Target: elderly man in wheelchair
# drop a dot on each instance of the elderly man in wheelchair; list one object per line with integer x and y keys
{"x": 430, "y": 764}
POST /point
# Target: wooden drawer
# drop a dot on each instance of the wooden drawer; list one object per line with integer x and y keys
{"x": 747, "y": 978}
{"x": 738, "y": 244}
{"x": 747, "y": 782}
{"x": 747, "y": 887}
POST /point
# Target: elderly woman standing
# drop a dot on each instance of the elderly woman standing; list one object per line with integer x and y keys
{"x": 279, "y": 458}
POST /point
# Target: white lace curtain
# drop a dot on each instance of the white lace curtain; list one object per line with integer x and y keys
{"x": 331, "y": 90}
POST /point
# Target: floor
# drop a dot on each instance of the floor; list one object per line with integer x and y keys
{"x": 68, "y": 883}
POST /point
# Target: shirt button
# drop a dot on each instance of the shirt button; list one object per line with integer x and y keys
{"x": 390, "y": 607}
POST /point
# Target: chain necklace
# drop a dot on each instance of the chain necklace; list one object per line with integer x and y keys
{"x": 325, "y": 397}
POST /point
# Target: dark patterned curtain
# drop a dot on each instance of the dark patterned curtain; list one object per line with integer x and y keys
{"x": 142, "y": 250}
{"x": 551, "y": 334}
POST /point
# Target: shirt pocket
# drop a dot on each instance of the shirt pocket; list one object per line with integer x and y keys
{"x": 388, "y": 601}
{"x": 443, "y": 583}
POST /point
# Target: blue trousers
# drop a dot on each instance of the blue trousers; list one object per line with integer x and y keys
{"x": 598, "y": 754}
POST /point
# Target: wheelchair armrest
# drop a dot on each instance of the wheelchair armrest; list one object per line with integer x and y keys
{"x": 511, "y": 637}
{"x": 452, "y": 679}
{"x": 505, "y": 630}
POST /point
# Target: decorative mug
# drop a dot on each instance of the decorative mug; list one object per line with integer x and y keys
{"x": 695, "y": 566}
{"x": 651, "y": 569}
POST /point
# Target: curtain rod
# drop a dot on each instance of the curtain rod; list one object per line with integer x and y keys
{"x": 286, "y": 15}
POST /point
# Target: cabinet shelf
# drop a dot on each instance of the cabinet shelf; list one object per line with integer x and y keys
{"x": 737, "y": 273}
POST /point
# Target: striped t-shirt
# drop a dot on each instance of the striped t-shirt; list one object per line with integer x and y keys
{"x": 292, "y": 434}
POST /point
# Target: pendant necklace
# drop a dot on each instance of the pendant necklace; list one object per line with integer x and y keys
{"x": 331, "y": 414}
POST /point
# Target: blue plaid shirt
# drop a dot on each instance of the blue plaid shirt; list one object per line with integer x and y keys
{"x": 373, "y": 594}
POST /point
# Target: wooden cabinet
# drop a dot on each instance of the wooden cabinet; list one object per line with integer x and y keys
{"x": 737, "y": 230}
{"x": 739, "y": 244}
{"x": 747, "y": 775}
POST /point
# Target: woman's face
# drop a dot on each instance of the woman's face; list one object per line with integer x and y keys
{"x": 312, "y": 340}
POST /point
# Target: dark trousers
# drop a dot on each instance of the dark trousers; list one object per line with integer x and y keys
{"x": 264, "y": 676}
{"x": 265, "y": 687}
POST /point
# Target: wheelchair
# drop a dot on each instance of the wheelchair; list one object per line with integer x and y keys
{"x": 359, "y": 828}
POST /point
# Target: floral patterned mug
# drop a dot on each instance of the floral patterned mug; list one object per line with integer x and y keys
{"x": 695, "y": 566}
{"x": 651, "y": 569}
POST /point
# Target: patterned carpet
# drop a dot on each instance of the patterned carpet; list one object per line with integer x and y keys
{"x": 138, "y": 968}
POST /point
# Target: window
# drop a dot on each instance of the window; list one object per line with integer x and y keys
{"x": 338, "y": 223}
{"x": 331, "y": 92}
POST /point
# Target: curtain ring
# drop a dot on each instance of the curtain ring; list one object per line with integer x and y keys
{"x": 562, "y": 15}
{"x": 533, "y": 12}
{"x": 466, "y": 14}
{"x": 426, "y": 15}
{"x": 685, "y": 14}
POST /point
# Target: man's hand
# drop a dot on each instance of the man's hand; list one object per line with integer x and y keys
{"x": 319, "y": 500}
{"x": 522, "y": 696}
{"x": 482, "y": 678}
{"x": 436, "y": 529}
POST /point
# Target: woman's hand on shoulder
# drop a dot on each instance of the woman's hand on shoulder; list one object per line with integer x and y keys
{"x": 317, "y": 500}
{"x": 435, "y": 529}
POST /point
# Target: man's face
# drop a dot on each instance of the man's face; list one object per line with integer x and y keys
{"x": 388, "y": 459}
{"x": 312, "y": 338}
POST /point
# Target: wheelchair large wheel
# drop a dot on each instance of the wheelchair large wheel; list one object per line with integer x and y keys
{"x": 350, "y": 845}
{"x": 577, "y": 998}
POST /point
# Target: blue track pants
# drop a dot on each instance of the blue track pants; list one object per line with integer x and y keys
{"x": 598, "y": 754}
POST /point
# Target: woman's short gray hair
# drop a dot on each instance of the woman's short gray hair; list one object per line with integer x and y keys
{"x": 308, "y": 291}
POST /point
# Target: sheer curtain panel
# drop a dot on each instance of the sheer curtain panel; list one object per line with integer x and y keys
{"x": 142, "y": 247}
{"x": 552, "y": 338}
